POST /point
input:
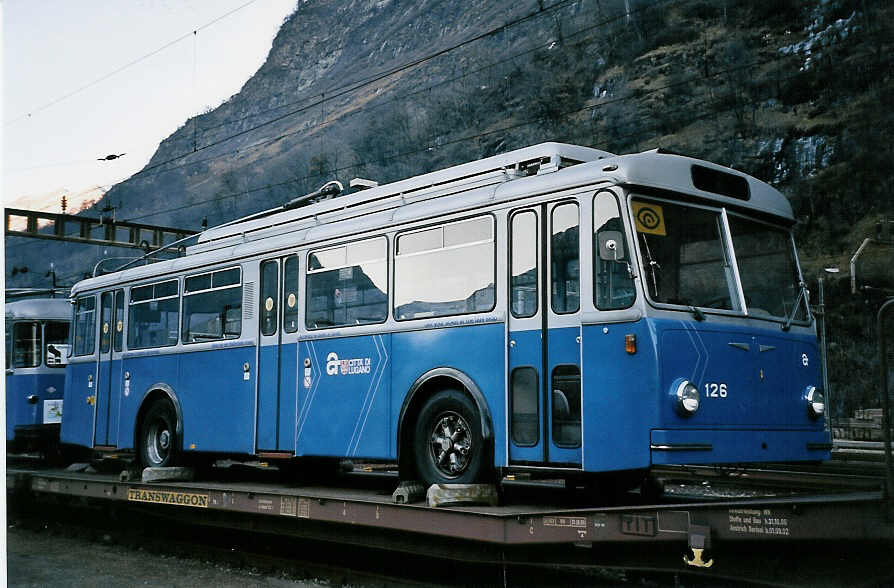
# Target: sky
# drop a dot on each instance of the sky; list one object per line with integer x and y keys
{"x": 83, "y": 79}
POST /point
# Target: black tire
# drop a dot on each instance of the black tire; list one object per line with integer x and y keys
{"x": 448, "y": 447}
{"x": 158, "y": 436}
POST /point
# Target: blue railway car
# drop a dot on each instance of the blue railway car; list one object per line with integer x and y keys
{"x": 554, "y": 309}
{"x": 36, "y": 354}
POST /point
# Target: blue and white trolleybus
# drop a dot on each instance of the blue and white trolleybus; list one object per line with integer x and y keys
{"x": 36, "y": 354}
{"x": 553, "y": 309}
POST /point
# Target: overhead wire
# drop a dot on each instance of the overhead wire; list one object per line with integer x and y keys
{"x": 505, "y": 128}
{"x": 339, "y": 91}
{"x": 144, "y": 173}
{"x": 465, "y": 138}
{"x": 513, "y": 126}
{"x": 233, "y": 121}
{"x": 127, "y": 65}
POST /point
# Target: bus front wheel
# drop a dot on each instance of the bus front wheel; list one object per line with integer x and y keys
{"x": 158, "y": 436}
{"x": 448, "y": 445}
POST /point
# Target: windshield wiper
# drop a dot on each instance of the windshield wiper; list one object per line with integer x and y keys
{"x": 803, "y": 294}
{"x": 653, "y": 265}
{"x": 697, "y": 313}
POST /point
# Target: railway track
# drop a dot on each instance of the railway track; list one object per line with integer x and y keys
{"x": 753, "y": 522}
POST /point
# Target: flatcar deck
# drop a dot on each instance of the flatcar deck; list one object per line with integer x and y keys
{"x": 535, "y": 521}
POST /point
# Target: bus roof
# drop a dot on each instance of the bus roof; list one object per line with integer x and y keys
{"x": 666, "y": 171}
{"x": 39, "y": 309}
{"x": 541, "y": 158}
{"x": 468, "y": 186}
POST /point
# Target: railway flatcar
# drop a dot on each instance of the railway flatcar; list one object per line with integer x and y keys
{"x": 36, "y": 355}
{"x": 557, "y": 309}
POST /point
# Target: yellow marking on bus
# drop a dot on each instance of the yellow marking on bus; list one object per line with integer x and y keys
{"x": 649, "y": 218}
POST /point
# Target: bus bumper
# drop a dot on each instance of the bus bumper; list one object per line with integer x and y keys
{"x": 693, "y": 446}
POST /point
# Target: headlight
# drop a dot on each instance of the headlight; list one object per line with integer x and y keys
{"x": 687, "y": 398}
{"x": 816, "y": 404}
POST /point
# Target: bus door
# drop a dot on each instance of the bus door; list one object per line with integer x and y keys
{"x": 544, "y": 335}
{"x": 344, "y": 376}
{"x": 268, "y": 357}
{"x": 108, "y": 390}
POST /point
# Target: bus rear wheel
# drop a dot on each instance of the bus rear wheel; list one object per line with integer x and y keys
{"x": 448, "y": 446}
{"x": 158, "y": 436}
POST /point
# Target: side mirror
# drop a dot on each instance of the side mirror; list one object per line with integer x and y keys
{"x": 57, "y": 354}
{"x": 611, "y": 246}
{"x": 10, "y": 371}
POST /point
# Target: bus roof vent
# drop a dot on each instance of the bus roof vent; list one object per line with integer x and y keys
{"x": 358, "y": 184}
{"x": 720, "y": 182}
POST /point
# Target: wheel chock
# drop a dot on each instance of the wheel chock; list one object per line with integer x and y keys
{"x": 168, "y": 474}
{"x": 408, "y": 493}
{"x": 462, "y": 495}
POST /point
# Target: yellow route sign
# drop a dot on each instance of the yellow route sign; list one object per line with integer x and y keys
{"x": 649, "y": 218}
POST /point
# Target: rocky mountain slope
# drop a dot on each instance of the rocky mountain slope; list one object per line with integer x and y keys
{"x": 794, "y": 93}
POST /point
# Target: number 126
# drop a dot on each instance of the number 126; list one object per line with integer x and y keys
{"x": 715, "y": 390}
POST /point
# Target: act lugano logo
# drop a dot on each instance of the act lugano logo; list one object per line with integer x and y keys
{"x": 347, "y": 367}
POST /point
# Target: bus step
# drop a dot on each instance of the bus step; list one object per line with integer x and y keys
{"x": 168, "y": 474}
{"x": 462, "y": 494}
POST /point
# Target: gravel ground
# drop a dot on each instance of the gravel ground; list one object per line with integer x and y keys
{"x": 43, "y": 557}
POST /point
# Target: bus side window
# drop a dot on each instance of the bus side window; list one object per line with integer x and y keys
{"x": 566, "y": 407}
{"x": 612, "y": 283}
{"x": 85, "y": 326}
{"x": 564, "y": 251}
{"x": 154, "y": 315}
{"x": 105, "y": 333}
{"x": 523, "y": 284}
{"x": 269, "y": 291}
{"x": 525, "y": 406}
{"x": 212, "y": 306}
{"x": 290, "y": 294}
{"x": 118, "y": 341}
{"x": 444, "y": 270}
{"x": 348, "y": 285}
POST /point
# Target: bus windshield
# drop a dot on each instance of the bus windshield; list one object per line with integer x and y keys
{"x": 686, "y": 260}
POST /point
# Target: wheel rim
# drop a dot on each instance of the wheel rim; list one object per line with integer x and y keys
{"x": 450, "y": 445}
{"x": 158, "y": 441}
